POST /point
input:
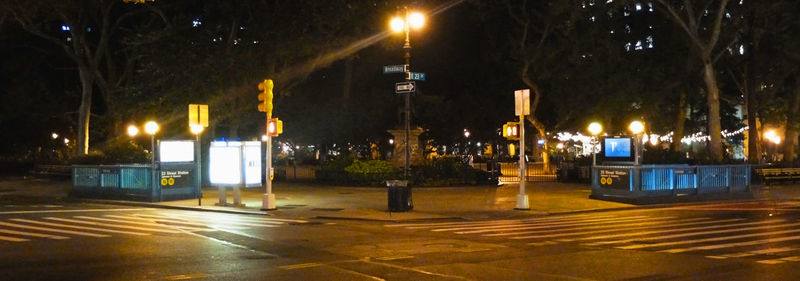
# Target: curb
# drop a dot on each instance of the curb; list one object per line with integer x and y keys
{"x": 152, "y": 205}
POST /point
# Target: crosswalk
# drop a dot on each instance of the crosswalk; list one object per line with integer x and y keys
{"x": 764, "y": 240}
{"x": 19, "y": 229}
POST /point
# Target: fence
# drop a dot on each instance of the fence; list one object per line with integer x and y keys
{"x": 633, "y": 182}
{"x": 535, "y": 171}
{"x": 114, "y": 182}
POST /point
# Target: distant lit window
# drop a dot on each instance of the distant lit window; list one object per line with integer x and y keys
{"x": 593, "y": 19}
{"x": 196, "y": 23}
{"x": 628, "y": 46}
{"x": 612, "y": 32}
{"x": 627, "y": 29}
{"x": 650, "y": 7}
{"x": 727, "y": 15}
{"x": 626, "y": 13}
{"x": 638, "y": 45}
{"x": 741, "y": 49}
{"x": 583, "y": 4}
{"x": 609, "y": 1}
{"x": 649, "y": 41}
{"x": 64, "y": 27}
{"x": 638, "y": 6}
{"x": 591, "y": 2}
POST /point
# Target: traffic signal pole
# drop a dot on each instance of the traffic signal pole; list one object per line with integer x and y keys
{"x": 268, "y": 199}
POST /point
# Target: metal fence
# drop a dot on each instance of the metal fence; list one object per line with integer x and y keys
{"x": 114, "y": 181}
{"x": 535, "y": 171}
{"x": 655, "y": 180}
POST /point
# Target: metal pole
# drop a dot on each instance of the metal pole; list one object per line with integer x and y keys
{"x": 594, "y": 153}
{"x": 198, "y": 170}
{"x": 522, "y": 197}
{"x": 407, "y": 108}
{"x": 268, "y": 200}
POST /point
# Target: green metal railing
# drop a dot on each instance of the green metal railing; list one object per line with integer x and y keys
{"x": 133, "y": 181}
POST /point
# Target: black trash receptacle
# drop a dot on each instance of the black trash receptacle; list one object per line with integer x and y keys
{"x": 399, "y": 194}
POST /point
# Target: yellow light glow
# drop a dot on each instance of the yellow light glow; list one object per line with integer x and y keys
{"x": 560, "y": 145}
{"x": 151, "y": 127}
{"x": 133, "y": 131}
{"x": 196, "y": 129}
{"x": 653, "y": 140}
{"x": 54, "y": 135}
{"x": 595, "y": 128}
{"x": 636, "y": 127}
{"x": 416, "y": 20}
{"x": 397, "y": 24}
{"x": 772, "y": 136}
{"x": 263, "y": 137}
{"x": 66, "y": 141}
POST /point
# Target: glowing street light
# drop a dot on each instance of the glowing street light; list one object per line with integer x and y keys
{"x": 404, "y": 24}
{"x": 54, "y": 135}
{"x": 151, "y": 128}
{"x": 594, "y": 128}
{"x": 636, "y": 127}
{"x": 196, "y": 129}
{"x": 133, "y": 131}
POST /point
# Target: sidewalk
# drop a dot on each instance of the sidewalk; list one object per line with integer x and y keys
{"x": 310, "y": 201}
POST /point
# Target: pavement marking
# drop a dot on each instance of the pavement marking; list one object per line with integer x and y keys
{"x": 154, "y": 222}
{"x": 80, "y": 227}
{"x": 299, "y": 266}
{"x": 145, "y": 222}
{"x": 721, "y": 238}
{"x": 753, "y": 253}
{"x": 71, "y": 211}
{"x": 542, "y": 243}
{"x": 391, "y": 258}
{"x": 208, "y": 215}
{"x": 187, "y": 276}
{"x": 735, "y": 244}
{"x": 33, "y": 234}
{"x": 600, "y": 229}
{"x": 54, "y": 230}
{"x": 780, "y": 260}
{"x": 443, "y": 224}
{"x": 550, "y": 224}
{"x": 546, "y": 226}
{"x": 114, "y": 225}
{"x": 228, "y": 221}
{"x": 641, "y": 233}
{"x": 13, "y": 239}
{"x": 182, "y": 221}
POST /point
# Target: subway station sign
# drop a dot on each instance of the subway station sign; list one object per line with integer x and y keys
{"x": 615, "y": 178}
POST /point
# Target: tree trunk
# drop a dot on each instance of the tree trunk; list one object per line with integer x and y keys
{"x": 789, "y": 151}
{"x": 712, "y": 95}
{"x": 85, "y": 109}
{"x": 680, "y": 121}
{"x": 542, "y": 134}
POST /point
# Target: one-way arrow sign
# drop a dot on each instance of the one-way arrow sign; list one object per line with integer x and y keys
{"x": 404, "y": 87}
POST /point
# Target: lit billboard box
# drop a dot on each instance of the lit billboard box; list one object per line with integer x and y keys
{"x": 176, "y": 151}
{"x": 235, "y": 163}
{"x": 617, "y": 149}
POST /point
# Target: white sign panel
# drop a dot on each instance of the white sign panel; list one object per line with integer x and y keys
{"x": 176, "y": 151}
{"x": 252, "y": 163}
{"x": 522, "y": 102}
{"x": 225, "y": 164}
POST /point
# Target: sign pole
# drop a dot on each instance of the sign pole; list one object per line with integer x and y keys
{"x": 522, "y": 98}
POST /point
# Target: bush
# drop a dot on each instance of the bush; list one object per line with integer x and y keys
{"x": 448, "y": 171}
{"x": 116, "y": 153}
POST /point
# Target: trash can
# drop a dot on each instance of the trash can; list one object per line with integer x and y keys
{"x": 399, "y": 196}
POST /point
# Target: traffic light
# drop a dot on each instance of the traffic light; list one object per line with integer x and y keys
{"x": 274, "y": 127}
{"x": 511, "y": 130}
{"x": 265, "y": 97}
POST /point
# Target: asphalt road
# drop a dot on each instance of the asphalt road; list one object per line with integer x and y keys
{"x": 722, "y": 241}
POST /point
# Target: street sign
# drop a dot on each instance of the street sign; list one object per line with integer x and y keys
{"x": 522, "y": 102}
{"x": 416, "y": 76}
{"x": 397, "y": 68}
{"x": 198, "y": 114}
{"x": 404, "y": 87}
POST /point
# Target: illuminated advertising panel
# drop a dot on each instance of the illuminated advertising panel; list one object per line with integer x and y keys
{"x": 225, "y": 163}
{"x": 176, "y": 151}
{"x": 617, "y": 149}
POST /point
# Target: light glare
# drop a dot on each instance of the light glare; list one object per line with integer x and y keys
{"x": 595, "y": 128}
{"x": 416, "y": 20}
{"x": 151, "y": 127}
{"x": 636, "y": 127}
{"x": 133, "y": 131}
{"x": 397, "y": 24}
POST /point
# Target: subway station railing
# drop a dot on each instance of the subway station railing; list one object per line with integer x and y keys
{"x": 669, "y": 180}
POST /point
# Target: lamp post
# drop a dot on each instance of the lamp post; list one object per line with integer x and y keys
{"x": 594, "y": 128}
{"x": 404, "y": 24}
{"x": 197, "y": 129}
{"x": 636, "y": 127}
{"x": 151, "y": 128}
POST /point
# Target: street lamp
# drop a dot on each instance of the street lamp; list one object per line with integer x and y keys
{"x": 405, "y": 24}
{"x": 595, "y": 129}
{"x": 196, "y": 129}
{"x": 151, "y": 128}
{"x": 636, "y": 127}
{"x": 133, "y": 131}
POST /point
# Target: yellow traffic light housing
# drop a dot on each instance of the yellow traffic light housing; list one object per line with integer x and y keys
{"x": 265, "y": 96}
{"x": 511, "y": 131}
{"x": 274, "y": 127}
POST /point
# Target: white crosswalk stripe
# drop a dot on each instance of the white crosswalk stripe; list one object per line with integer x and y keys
{"x": 66, "y": 226}
{"x": 766, "y": 241}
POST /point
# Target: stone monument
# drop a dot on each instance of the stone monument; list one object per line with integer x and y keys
{"x": 399, "y": 154}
